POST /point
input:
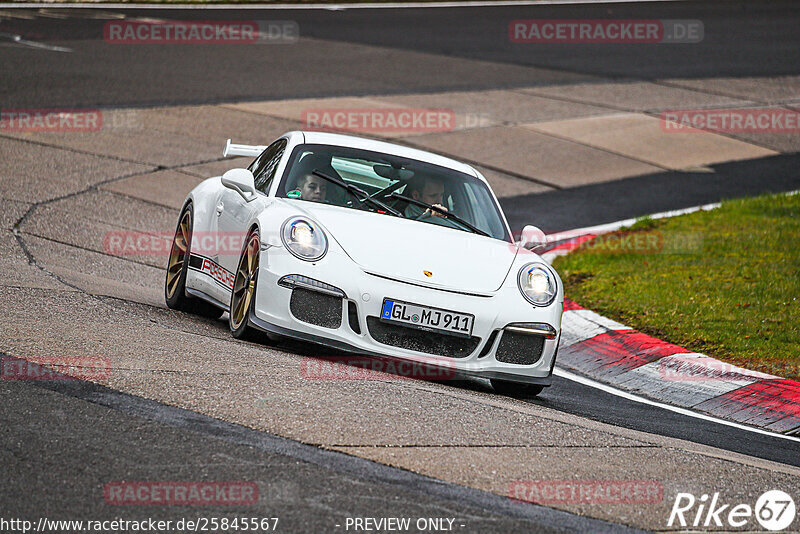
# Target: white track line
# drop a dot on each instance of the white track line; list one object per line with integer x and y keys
{"x": 612, "y": 226}
{"x": 33, "y": 44}
{"x": 333, "y": 7}
{"x": 683, "y": 411}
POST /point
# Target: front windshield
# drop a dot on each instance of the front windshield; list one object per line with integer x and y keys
{"x": 373, "y": 181}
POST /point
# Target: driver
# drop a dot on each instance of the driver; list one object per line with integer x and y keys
{"x": 430, "y": 191}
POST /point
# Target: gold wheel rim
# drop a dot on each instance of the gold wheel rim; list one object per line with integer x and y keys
{"x": 244, "y": 285}
{"x": 179, "y": 253}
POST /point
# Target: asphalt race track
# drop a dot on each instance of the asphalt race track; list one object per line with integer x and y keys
{"x": 186, "y": 402}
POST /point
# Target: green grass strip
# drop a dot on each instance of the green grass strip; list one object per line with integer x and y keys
{"x": 724, "y": 282}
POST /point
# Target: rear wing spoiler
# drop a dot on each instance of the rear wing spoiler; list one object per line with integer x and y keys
{"x": 232, "y": 149}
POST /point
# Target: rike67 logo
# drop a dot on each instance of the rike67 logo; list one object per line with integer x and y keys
{"x": 774, "y": 511}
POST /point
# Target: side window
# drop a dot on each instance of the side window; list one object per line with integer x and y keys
{"x": 264, "y": 166}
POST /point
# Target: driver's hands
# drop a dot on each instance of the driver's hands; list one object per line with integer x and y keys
{"x": 431, "y": 213}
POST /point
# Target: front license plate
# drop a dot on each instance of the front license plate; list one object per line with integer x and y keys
{"x": 427, "y": 318}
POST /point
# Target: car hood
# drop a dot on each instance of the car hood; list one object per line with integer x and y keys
{"x": 406, "y": 250}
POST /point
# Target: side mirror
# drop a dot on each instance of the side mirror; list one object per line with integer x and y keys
{"x": 241, "y": 181}
{"x": 532, "y": 238}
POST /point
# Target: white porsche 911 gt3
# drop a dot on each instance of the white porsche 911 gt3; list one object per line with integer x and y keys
{"x": 373, "y": 248}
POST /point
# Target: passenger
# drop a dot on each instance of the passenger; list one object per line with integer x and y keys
{"x": 312, "y": 188}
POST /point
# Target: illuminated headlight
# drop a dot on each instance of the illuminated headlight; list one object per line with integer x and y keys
{"x": 537, "y": 284}
{"x": 303, "y": 239}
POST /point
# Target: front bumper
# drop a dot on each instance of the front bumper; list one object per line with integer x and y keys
{"x": 365, "y": 292}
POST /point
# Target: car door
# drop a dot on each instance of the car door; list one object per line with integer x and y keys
{"x": 234, "y": 212}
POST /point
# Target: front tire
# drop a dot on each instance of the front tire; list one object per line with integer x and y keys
{"x": 177, "y": 267}
{"x": 243, "y": 295}
{"x": 515, "y": 389}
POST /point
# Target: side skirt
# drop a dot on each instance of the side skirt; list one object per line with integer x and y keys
{"x": 207, "y": 298}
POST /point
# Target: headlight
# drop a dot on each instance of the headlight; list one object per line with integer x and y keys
{"x": 303, "y": 239}
{"x": 537, "y": 284}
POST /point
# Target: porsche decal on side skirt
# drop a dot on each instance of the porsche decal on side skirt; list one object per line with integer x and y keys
{"x": 209, "y": 267}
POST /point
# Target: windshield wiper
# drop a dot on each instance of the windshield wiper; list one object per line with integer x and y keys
{"x": 443, "y": 211}
{"x": 360, "y": 194}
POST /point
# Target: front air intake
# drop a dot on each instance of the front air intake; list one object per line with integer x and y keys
{"x": 520, "y": 349}
{"x": 436, "y": 343}
{"x": 316, "y": 308}
{"x": 352, "y": 317}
